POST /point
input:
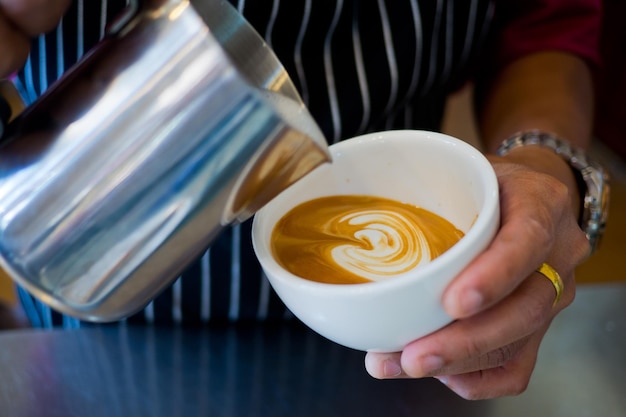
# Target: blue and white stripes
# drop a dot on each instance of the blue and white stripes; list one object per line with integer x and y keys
{"x": 360, "y": 66}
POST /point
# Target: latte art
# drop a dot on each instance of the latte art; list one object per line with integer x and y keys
{"x": 355, "y": 239}
{"x": 390, "y": 244}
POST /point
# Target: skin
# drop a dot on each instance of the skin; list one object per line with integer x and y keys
{"x": 503, "y": 308}
{"x": 485, "y": 353}
{"x": 20, "y": 20}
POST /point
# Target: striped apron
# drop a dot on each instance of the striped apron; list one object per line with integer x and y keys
{"x": 360, "y": 66}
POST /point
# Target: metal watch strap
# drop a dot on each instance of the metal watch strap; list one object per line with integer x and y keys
{"x": 595, "y": 179}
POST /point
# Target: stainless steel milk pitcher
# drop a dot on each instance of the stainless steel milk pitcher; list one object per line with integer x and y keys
{"x": 178, "y": 124}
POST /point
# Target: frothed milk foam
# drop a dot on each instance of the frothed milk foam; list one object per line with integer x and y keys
{"x": 349, "y": 239}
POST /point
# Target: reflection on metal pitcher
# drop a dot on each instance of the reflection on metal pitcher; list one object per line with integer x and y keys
{"x": 179, "y": 123}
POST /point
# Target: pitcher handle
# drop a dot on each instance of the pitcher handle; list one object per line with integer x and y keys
{"x": 124, "y": 17}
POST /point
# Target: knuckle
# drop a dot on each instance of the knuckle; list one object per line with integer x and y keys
{"x": 538, "y": 230}
{"x": 472, "y": 348}
{"x": 581, "y": 245}
{"x": 500, "y": 356}
{"x": 559, "y": 193}
{"x": 568, "y": 296}
{"x": 471, "y": 394}
{"x": 517, "y": 386}
{"x": 476, "y": 392}
{"x": 536, "y": 310}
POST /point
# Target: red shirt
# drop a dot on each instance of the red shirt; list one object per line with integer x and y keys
{"x": 529, "y": 26}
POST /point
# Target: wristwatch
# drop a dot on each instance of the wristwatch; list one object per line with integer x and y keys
{"x": 593, "y": 179}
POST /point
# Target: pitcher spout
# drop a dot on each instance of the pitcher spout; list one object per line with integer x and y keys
{"x": 295, "y": 149}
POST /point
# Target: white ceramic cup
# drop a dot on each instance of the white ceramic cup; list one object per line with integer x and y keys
{"x": 434, "y": 171}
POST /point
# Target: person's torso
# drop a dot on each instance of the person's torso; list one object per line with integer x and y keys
{"x": 360, "y": 66}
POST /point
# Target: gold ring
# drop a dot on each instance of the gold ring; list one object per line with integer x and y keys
{"x": 554, "y": 277}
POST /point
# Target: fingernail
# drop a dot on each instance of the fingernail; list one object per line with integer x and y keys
{"x": 471, "y": 302}
{"x": 442, "y": 379}
{"x": 431, "y": 364}
{"x": 391, "y": 369}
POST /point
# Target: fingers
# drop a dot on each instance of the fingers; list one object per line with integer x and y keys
{"x": 384, "y": 365}
{"x": 33, "y": 17}
{"x": 511, "y": 378}
{"x": 502, "y": 305}
{"x": 20, "y": 20}
{"x": 14, "y": 47}
{"x": 493, "y": 353}
{"x": 535, "y": 208}
{"x": 486, "y": 340}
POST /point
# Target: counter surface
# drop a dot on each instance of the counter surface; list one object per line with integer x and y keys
{"x": 290, "y": 371}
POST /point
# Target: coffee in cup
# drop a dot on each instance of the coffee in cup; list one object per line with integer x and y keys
{"x": 355, "y": 239}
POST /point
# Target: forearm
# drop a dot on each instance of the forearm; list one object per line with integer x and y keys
{"x": 549, "y": 91}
